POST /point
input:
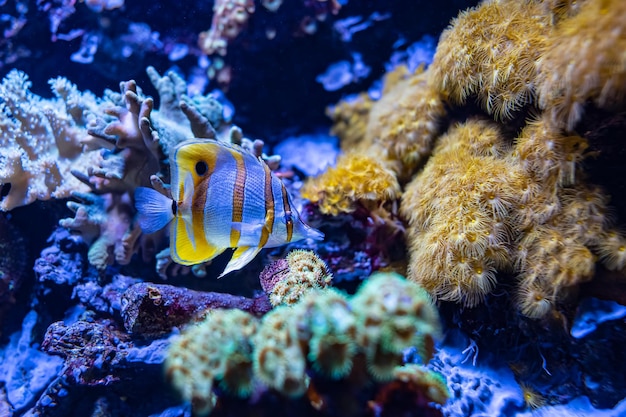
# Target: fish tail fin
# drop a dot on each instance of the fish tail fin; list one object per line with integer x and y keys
{"x": 155, "y": 209}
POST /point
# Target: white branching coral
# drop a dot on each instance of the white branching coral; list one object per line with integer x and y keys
{"x": 98, "y": 150}
{"x": 41, "y": 140}
{"x": 134, "y": 140}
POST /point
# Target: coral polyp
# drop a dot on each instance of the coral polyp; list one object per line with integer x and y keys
{"x": 356, "y": 179}
{"x": 459, "y": 210}
{"x": 287, "y": 280}
{"x": 596, "y": 36}
{"x": 325, "y": 334}
{"x": 215, "y": 353}
{"x": 490, "y": 52}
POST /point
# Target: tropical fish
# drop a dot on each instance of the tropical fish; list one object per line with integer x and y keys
{"x": 222, "y": 197}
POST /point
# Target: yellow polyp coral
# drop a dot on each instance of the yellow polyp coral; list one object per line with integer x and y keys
{"x": 482, "y": 205}
{"x": 458, "y": 209}
{"x": 490, "y": 52}
{"x": 553, "y": 262}
{"x": 405, "y": 121}
{"x": 532, "y": 398}
{"x": 399, "y": 128}
{"x": 534, "y": 301}
{"x": 561, "y": 252}
{"x": 350, "y": 118}
{"x": 487, "y": 201}
{"x": 547, "y": 154}
{"x": 584, "y": 61}
{"x": 562, "y": 9}
{"x": 611, "y": 247}
{"x": 560, "y": 218}
{"x": 356, "y": 178}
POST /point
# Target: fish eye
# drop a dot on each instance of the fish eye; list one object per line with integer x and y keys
{"x": 201, "y": 168}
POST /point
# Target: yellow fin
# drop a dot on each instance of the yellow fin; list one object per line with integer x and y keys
{"x": 241, "y": 257}
{"x": 188, "y": 245}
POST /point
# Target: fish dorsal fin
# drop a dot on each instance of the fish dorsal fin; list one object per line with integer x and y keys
{"x": 211, "y": 146}
{"x": 241, "y": 257}
{"x": 188, "y": 244}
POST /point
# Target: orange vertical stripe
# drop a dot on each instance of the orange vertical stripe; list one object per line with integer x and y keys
{"x": 238, "y": 197}
{"x": 269, "y": 207}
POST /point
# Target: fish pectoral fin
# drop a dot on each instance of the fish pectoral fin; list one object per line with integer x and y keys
{"x": 241, "y": 257}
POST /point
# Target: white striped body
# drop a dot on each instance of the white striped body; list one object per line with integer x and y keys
{"x": 225, "y": 197}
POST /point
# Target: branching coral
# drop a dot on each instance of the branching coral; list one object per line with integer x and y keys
{"x": 490, "y": 52}
{"x": 139, "y": 137}
{"x": 229, "y": 18}
{"x": 584, "y": 61}
{"x": 41, "y": 140}
{"x": 77, "y": 143}
{"x": 104, "y": 222}
{"x": 325, "y": 329}
{"x": 132, "y": 139}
